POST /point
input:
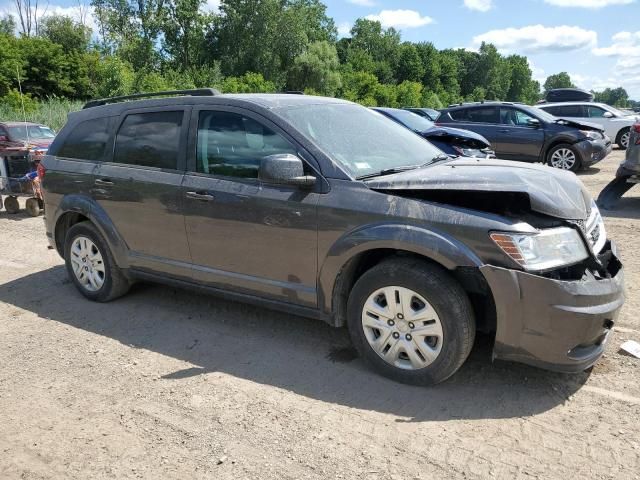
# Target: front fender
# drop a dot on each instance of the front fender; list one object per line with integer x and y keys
{"x": 437, "y": 246}
{"x": 87, "y": 207}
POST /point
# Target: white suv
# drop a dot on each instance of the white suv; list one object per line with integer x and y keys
{"x": 616, "y": 123}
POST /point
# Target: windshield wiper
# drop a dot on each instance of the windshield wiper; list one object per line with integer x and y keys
{"x": 388, "y": 171}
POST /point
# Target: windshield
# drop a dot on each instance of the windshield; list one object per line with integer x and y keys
{"x": 361, "y": 140}
{"x": 411, "y": 120}
{"x": 541, "y": 114}
{"x": 36, "y": 132}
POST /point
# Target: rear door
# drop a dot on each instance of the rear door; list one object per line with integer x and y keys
{"x": 140, "y": 188}
{"x": 245, "y": 235}
{"x": 517, "y": 138}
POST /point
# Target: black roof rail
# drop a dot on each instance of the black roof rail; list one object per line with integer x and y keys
{"x": 196, "y": 92}
{"x": 292, "y": 92}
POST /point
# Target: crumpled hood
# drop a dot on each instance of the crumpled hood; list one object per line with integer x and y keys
{"x": 472, "y": 139}
{"x": 582, "y": 125}
{"x": 551, "y": 192}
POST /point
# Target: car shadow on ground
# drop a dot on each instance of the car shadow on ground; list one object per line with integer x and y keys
{"x": 627, "y": 207}
{"x": 304, "y": 356}
{"x": 16, "y": 217}
{"x": 588, "y": 171}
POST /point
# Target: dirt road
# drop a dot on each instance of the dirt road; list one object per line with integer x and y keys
{"x": 166, "y": 384}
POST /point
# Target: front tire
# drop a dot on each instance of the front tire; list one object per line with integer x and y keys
{"x": 564, "y": 157}
{"x": 91, "y": 266}
{"x": 623, "y": 138}
{"x": 411, "y": 321}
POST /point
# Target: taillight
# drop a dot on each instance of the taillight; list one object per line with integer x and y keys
{"x": 636, "y": 127}
{"x": 41, "y": 170}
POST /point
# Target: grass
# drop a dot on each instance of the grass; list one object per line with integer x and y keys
{"x": 51, "y": 112}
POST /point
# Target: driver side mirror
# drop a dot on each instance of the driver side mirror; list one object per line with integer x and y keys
{"x": 608, "y": 115}
{"x": 3, "y": 138}
{"x": 284, "y": 169}
{"x": 533, "y": 122}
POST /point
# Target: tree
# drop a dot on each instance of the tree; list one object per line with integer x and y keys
{"x": 248, "y": 83}
{"x": 28, "y": 16}
{"x": 431, "y": 63}
{"x": 409, "y": 94}
{"x": 63, "y": 30}
{"x": 617, "y": 97}
{"x": 558, "y": 80}
{"x": 361, "y": 87}
{"x": 184, "y": 32}
{"x": 410, "y": 65}
{"x": 492, "y": 72}
{"x": 522, "y": 88}
{"x": 7, "y": 25}
{"x": 317, "y": 68}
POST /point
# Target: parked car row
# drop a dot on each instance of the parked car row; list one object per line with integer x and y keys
{"x": 327, "y": 209}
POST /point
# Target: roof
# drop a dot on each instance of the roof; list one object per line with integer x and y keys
{"x": 577, "y": 102}
{"x": 21, "y": 124}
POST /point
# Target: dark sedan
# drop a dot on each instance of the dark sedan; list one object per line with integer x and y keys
{"x": 452, "y": 141}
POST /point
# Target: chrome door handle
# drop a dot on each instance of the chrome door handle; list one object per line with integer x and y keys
{"x": 103, "y": 182}
{"x": 203, "y": 197}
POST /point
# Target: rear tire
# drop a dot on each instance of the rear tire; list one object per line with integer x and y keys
{"x": 623, "y": 138}
{"x": 11, "y": 205}
{"x": 91, "y": 266}
{"x": 564, "y": 157}
{"x": 424, "y": 335}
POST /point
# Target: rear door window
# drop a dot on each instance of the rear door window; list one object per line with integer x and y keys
{"x": 87, "y": 141}
{"x": 477, "y": 115}
{"x": 150, "y": 139}
{"x": 571, "y": 111}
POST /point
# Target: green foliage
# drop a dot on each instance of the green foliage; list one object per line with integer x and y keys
{"x": 70, "y": 35}
{"x": 617, "y": 97}
{"x": 17, "y": 102}
{"x": 317, "y": 69}
{"x": 559, "y": 80}
{"x": 7, "y": 25}
{"x": 113, "y": 77}
{"x": 51, "y": 111}
{"x": 409, "y": 94}
{"x": 248, "y": 83}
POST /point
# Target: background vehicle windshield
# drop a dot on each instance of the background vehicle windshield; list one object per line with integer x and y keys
{"x": 360, "y": 139}
{"x": 619, "y": 113}
{"x": 411, "y": 120}
{"x": 36, "y": 132}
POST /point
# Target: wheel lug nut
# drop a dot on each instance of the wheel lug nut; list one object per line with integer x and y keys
{"x": 411, "y": 325}
{"x": 400, "y": 316}
{"x": 408, "y": 337}
{"x": 396, "y": 335}
{"x": 391, "y": 323}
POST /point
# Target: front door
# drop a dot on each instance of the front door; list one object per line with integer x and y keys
{"x": 244, "y": 235}
{"x": 140, "y": 189}
{"x": 518, "y": 138}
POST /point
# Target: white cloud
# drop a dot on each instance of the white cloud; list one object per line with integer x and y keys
{"x": 623, "y": 44}
{"x": 400, "y": 19}
{"x": 593, "y": 4}
{"x": 480, "y": 5}
{"x": 363, "y": 3}
{"x": 344, "y": 29}
{"x": 538, "y": 38}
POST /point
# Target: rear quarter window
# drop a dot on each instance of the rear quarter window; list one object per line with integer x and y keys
{"x": 87, "y": 141}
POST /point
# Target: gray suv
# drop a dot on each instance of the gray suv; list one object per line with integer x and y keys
{"x": 323, "y": 208}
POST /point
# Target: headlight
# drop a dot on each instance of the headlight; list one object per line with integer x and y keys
{"x": 551, "y": 248}
{"x": 592, "y": 134}
{"x": 474, "y": 152}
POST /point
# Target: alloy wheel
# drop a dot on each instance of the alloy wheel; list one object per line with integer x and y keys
{"x": 624, "y": 139}
{"x": 402, "y": 328}
{"x": 87, "y": 263}
{"x": 563, "y": 158}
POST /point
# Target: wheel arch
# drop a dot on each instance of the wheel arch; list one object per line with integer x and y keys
{"x": 356, "y": 252}
{"x": 74, "y": 209}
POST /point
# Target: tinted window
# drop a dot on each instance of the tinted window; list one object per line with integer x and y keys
{"x": 232, "y": 145}
{"x": 596, "y": 112}
{"x": 149, "y": 140}
{"x": 476, "y": 115}
{"x": 512, "y": 116}
{"x": 87, "y": 141}
{"x": 569, "y": 111}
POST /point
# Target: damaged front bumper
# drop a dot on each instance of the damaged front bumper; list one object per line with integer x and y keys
{"x": 560, "y": 325}
{"x": 592, "y": 151}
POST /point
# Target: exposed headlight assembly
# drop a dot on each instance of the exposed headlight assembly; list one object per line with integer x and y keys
{"x": 592, "y": 134}
{"x": 550, "y": 248}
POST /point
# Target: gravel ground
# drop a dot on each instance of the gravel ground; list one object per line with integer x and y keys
{"x": 164, "y": 383}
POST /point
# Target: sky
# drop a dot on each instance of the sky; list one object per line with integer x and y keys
{"x": 596, "y": 41}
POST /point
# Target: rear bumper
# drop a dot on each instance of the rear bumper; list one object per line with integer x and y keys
{"x": 554, "y": 324}
{"x": 591, "y": 152}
